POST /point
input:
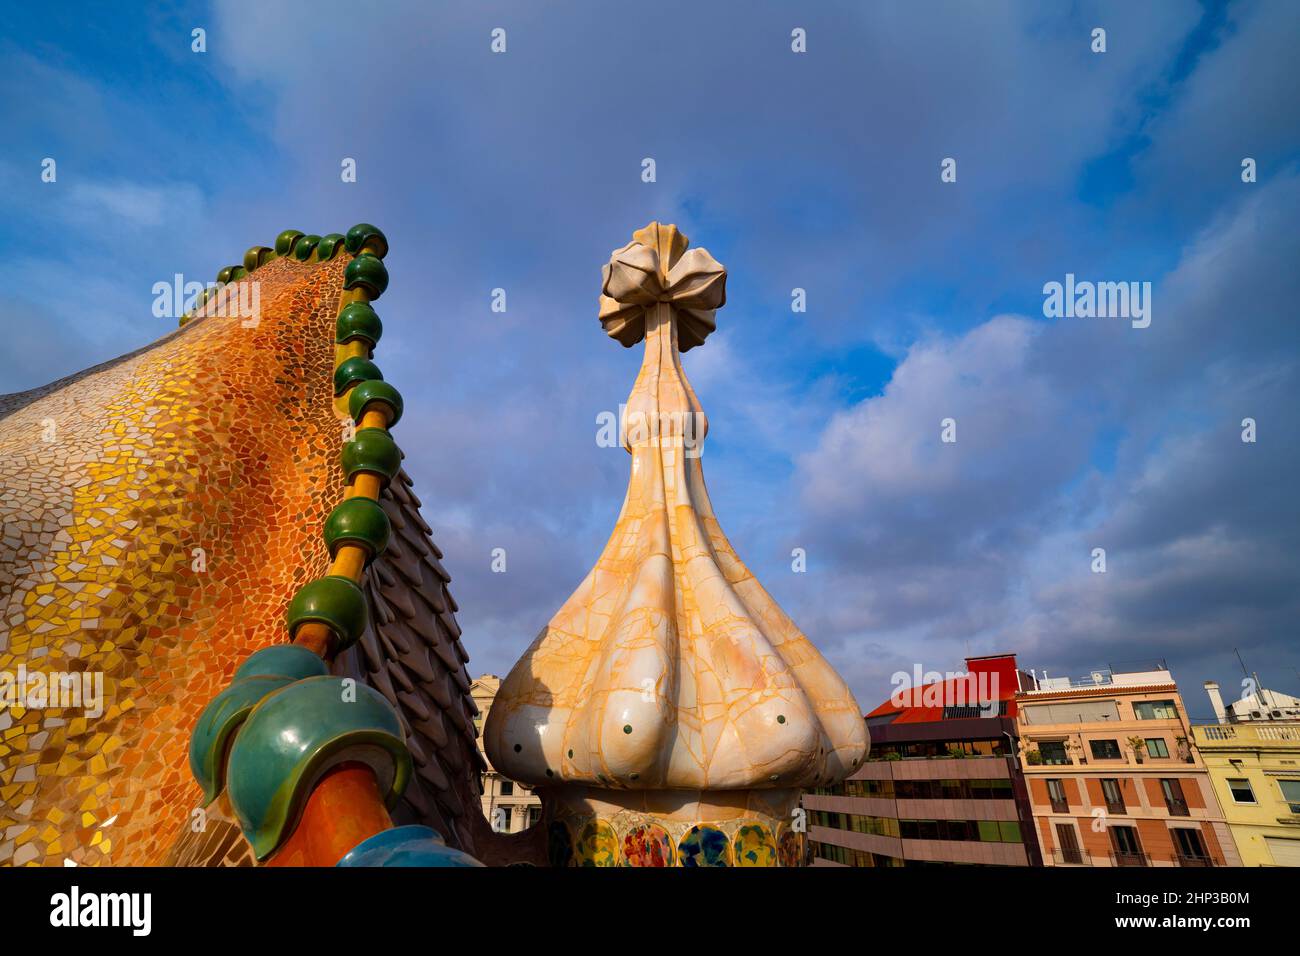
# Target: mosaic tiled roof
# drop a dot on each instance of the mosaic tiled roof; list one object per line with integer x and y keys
{"x": 159, "y": 512}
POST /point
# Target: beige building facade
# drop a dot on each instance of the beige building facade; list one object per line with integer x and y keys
{"x": 1114, "y": 779}
{"x": 509, "y": 806}
{"x": 1253, "y": 759}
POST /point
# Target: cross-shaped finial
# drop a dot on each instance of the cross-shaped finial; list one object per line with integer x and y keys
{"x": 656, "y": 267}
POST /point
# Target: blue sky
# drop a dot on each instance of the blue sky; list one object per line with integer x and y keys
{"x": 820, "y": 171}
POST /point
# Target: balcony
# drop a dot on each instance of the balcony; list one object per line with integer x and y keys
{"x": 1177, "y": 807}
{"x": 1116, "y": 806}
{"x": 1129, "y": 858}
{"x": 1060, "y": 806}
{"x": 1233, "y": 735}
{"x": 1071, "y": 856}
{"x": 1216, "y": 733}
{"x": 1185, "y": 860}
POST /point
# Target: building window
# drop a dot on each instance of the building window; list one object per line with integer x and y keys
{"x": 1240, "y": 789}
{"x": 1126, "y": 847}
{"x": 952, "y": 789}
{"x": 1189, "y": 847}
{"x": 506, "y": 820}
{"x": 1105, "y": 749}
{"x": 1156, "y": 747}
{"x": 1069, "y": 843}
{"x": 1174, "y": 800}
{"x": 1053, "y": 751}
{"x": 534, "y": 815}
{"x": 847, "y": 857}
{"x": 1291, "y": 793}
{"x": 858, "y": 823}
{"x": 1056, "y": 793}
{"x": 1155, "y": 710}
{"x": 984, "y": 831}
{"x": 507, "y": 788}
{"x": 985, "y": 709}
{"x": 1114, "y": 796}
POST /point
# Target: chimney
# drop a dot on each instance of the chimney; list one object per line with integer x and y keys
{"x": 1216, "y": 701}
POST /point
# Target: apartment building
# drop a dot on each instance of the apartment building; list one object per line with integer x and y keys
{"x": 941, "y": 785}
{"x": 1113, "y": 776}
{"x": 508, "y": 805}
{"x": 1252, "y": 755}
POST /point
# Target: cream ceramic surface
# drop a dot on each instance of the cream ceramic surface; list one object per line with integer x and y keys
{"x": 670, "y": 667}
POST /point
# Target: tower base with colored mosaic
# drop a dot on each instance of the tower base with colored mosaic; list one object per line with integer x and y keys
{"x": 590, "y": 827}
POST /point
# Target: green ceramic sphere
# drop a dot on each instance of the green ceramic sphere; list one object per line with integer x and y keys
{"x": 303, "y": 248}
{"x": 282, "y": 660}
{"x": 328, "y": 247}
{"x": 334, "y": 601}
{"x": 364, "y": 232}
{"x": 293, "y": 736}
{"x": 353, "y": 370}
{"x": 285, "y": 240}
{"x": 372, "y": 451}
{"x": 357, "y": 320}
{"x": 257, "y": 256}
{"x": 367, "y": 272}
{"x": 360, "y": 521}
{"x": 372, "y": 392}
{"x": 223, "y": 717}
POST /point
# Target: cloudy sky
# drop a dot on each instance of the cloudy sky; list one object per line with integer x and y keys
{"x": 522, "y": 170}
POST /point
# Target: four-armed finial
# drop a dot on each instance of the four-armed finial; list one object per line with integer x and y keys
{"x": 670, "y": 712}
{"x": 655, "y": 267}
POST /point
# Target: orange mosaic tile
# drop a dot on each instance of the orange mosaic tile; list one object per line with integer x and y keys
{"x": 159, "y": 512}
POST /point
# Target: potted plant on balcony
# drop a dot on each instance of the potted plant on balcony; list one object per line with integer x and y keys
{"x": 1034, "y": 757}
{"x": 1139, "y": 748}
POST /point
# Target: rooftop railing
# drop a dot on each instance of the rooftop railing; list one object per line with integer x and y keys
{"x": 1248, "y": 733}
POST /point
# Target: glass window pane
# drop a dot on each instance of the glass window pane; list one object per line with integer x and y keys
{"x": 1241, "y": 791}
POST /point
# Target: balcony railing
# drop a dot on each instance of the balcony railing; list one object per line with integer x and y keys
{"x": 1071, "y": 856}
{"x": 1217, "y": 733}
{"x": 1129, "y": 858}
{"x": 1060, "y": 806}
{"x": 1186, "y": 860}
{"x": 1116, "y": 806}
{"x": 1245, "y": 733}
{"x": 1177, "y": 807}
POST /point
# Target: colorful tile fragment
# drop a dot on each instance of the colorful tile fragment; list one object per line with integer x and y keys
{"x": 755, "y": 846}
{"x": 598, "y": 845}
{"x": 791, "y": 848}
{"x": 705, "y": 846}
{"x": 648, "y": 845}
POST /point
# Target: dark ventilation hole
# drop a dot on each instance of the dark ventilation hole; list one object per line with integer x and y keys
{"x": 518, "y": 747}
{"x": 627, "y": 728}
{"x": 780, "y": 718}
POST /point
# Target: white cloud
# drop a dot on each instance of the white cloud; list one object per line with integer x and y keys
{"x": 133, "y": 204}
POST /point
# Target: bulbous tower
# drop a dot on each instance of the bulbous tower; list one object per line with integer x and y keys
{"x": 670, "y": 712}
